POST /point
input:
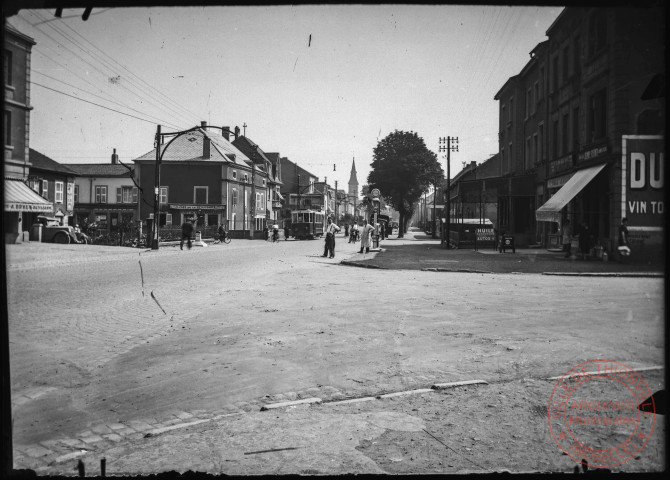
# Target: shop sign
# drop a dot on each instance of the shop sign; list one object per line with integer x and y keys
{"x": 642, "y": 165}
{"x": 27, "y": 207}
{"x": 70, "y": 196}
{"x": 184, "y": 206}
{"x": 558, "y": 182}
{"x": 560, "y": 164}
{"x": 485, "y": 234}
{"x": 593, "y": 153}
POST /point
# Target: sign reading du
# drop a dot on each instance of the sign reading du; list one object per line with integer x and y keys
{"x": 643, "y": 166}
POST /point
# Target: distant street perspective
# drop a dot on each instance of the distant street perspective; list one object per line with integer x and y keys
{"x": 181, "y": 347}
{"x": 333, "y": 239}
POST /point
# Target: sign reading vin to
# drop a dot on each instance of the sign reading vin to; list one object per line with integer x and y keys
{"x": 642, "y": 181}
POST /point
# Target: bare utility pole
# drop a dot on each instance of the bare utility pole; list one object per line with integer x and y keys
{"x": 335, "y": 199}
{"x": 157, "y": 186}
{"x": 252, "y": 227}
{"x": 446, "y": 146}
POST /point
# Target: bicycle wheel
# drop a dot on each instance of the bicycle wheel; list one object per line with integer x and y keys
{"x": 227, "y": 239}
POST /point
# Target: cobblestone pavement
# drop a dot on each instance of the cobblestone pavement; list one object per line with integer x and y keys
{"x": 112, "y": 346}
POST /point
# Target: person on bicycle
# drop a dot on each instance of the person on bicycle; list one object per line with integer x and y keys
{"x": 222, "y": 233}
{"x": 275, "y": 232}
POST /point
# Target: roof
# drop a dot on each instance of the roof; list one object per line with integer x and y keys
{"x": 273, "y": 156}
{"x": 188, "y": 147}
{"x": 250, "y": 149}
{"x": 101, "y": 169}
{"x": 42, "y": 162}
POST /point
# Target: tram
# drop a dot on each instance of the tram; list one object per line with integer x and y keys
{"x": 307, "y": 224}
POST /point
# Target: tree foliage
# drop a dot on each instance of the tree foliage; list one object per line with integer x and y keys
{"x": 402, "y": 169}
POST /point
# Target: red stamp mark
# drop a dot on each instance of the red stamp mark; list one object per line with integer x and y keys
{"x": 594, "y": 416}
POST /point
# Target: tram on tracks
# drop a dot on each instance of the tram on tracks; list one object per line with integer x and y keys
{"x": 307, "y": 224}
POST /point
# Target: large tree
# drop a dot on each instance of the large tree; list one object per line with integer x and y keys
{"x": 402, "y": 169}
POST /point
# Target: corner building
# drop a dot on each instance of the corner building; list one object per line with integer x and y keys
{"x": 581, "y": 131}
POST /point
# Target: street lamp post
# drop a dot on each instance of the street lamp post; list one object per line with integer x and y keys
{"x": 446, "y": 146}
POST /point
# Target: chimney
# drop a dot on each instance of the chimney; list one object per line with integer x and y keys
{"x": 226, "y": 133}
{"x": 205, "y": 146}
{"x": 203, "y": 124}
{"x": 115, "y": 158}
{"x": 473, "y": 164}
{"x": 237, "y": 132}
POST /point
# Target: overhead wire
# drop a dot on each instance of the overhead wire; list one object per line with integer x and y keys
{"x": 102, "y": 98}
{"x": 165, "y": 97}
{"x": 104, "y": 73}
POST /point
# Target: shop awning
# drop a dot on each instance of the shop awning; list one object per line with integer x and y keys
{"x": 278, "y": 196}
{"x": 551, "y": 211}
{"x": 20, "y": 198}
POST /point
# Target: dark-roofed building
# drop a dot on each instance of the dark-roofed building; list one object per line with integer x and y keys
{"x": 268, "y": 199}
{"x": 105, "y": 194}
{"x": 204, "y": 176}
{"x": 55, "y": 183}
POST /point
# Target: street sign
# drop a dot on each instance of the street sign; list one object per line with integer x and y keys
{"x": 375, "y": 192}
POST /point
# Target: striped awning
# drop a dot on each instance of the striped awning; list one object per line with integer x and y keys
{"x": 20, "y": 198}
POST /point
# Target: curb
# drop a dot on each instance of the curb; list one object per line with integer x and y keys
{"x": 356, "y": 264}
{"x": 352, "y": 400}
{"x": 641, "y": 369}
{"x": 406, "y": 392}
{"x": 607, "y": 274}
{"x": 272, "y": 406}
{"x": 463, "y": 270}
{"x": 442, "y": 386}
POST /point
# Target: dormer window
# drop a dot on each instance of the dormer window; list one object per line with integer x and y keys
{"x": 234, "y": 174}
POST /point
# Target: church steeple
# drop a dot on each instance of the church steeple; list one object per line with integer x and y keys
{"x": 353, "y": 180}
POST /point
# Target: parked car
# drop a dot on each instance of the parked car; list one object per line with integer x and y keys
{"x": 53, "y": 231}
{"x": 394, "y": 228}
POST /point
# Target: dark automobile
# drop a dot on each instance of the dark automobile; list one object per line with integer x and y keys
{"x": 53, "y": 231}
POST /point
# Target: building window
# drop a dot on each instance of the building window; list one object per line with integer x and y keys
{"x": 577, "y": 55}
{"x": 263, "y": 182}
{"x": 554, "y": 139}
{"x": 234, "y": 174}
{"x": 246, "y": 178}
{"x": 597, "y": 32}
{"x": 45, "y": 188}
{"x": 597, "y": 116}
{"x": 565, "y": 134}
{"x": 234, "y": 199}
{"x": 8, "y": 127}
{"x": 536, "y": 88}
{"x": 59, "y": 192}
{"x": 541, "y": 82}
{"x": 34, "y": 184}
{"x": 540, "y": 142}
{"x": 212, "y": 219}
{"x": 126, "y": 195}
{"x": 555, "y": 75}
{"x": 529, "y": 96}
{"x": 536, "y": 152}
{"x": 100, "y": 194}
{"x": 200, "y": 195}
{"x": 527, "y": 155}
{"x": 503, "y": 112}
{"x": 163, "y": 195}
{"x": 511, "y": 110}
{"x": 7, "y": 62}
{"x": 566, "y": 63}
{"x": 76, "y": 193}
{"x": 575, "y": 129}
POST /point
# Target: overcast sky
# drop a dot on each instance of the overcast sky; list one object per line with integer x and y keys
{"x": 318, "y": 84}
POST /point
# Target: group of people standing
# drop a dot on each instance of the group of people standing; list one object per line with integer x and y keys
{"x": 331, "y": 229}
{"x": 586, "y": 240}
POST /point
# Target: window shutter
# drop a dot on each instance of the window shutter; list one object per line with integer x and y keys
{"x": 119, "y": 198}
{"x": 134, "y": 194}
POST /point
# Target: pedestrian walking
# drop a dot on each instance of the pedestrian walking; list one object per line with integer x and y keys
{"x": 346, "y": 229}
{"x": 365, "y": 236}
{"x": 584, "y": 241}
{"x": 353, "y": 236}
{"x": 567, "y": 238}
{"x": 624, "y": 249}
{"x": 330, "y": 231}
{"x": 186, "y": 232}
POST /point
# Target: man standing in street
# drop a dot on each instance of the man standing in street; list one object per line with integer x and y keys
{"x": 567, "y": 238}
{"x": 186, "y": 232}
{"x": 365, "y": 236}
{"x": 330, "y": 231}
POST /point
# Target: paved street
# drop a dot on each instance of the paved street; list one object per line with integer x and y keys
{"x": 110, "y": 344}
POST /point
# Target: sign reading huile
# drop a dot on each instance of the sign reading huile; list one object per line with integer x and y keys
{"x": 642, "y": 183}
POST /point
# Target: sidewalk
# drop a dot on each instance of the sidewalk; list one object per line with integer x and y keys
{"x": 418, "y": 251}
